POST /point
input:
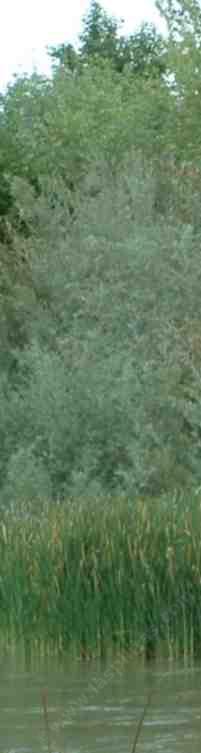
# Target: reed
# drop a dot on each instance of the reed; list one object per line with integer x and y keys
{"x": 46, "y": 719}
{"x": 140, "y": 724}
{"x": 120, "y": 575}
{"x": 44, "y": 700}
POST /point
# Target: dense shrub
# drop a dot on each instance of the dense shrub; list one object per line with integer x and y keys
{"x": 101, "y": 387}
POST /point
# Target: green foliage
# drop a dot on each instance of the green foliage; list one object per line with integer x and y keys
{"x": 57, "y": 130}
{"x": 27, "y": 480}
{"x": 5, "y": 196}
{"x": 100, "y": 33}
{"x": 183, "y": 18}
{"x": 184, "y": 64}
{"x": 66, "y": 56}
{"x": 143, "y": 52}
{"x": 117, "y": 576}
{"x": 104, "y": 387}
{"x": 99, "y": 284}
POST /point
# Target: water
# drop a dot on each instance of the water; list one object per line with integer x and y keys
{"x": 94, "y": 708}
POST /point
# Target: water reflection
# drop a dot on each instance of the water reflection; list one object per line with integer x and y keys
{"x": 94, "y": 707}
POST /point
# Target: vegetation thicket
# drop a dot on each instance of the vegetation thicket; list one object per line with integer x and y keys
{"x": 100, "y": 305}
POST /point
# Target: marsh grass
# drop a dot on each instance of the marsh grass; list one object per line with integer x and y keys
{"x": 96, "y": 577}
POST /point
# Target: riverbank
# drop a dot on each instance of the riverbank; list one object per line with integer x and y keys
{"x": 94, "y": 577}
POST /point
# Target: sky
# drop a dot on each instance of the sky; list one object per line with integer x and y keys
{"x": 29, "y": 26}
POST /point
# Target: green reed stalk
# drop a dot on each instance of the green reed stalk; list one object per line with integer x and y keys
{"x": 121, "y": 575}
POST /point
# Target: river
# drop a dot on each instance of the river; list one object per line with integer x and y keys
{"x": 94, "y": 707}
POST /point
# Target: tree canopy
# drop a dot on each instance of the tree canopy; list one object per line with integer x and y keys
{"x": 143, "y": 51}
{"x": 100, "y": 231}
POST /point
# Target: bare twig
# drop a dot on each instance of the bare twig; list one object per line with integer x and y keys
{"x": 140, "y": 724}
{"x": 46, "y": 718}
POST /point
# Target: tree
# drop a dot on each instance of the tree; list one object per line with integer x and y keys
{"x": 183, "y": 17}
{"x": 65, "y": 55}
{"x": 100, "y": 33}
{"x": 143, "y": 52}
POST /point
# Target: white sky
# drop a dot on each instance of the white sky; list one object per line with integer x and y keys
{"x": 28, "y": 26}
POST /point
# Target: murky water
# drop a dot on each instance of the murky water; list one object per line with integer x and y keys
{"x": 94, "y": 708}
